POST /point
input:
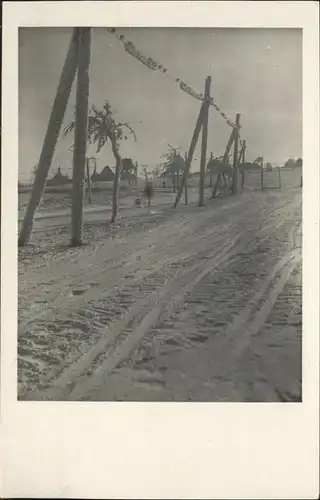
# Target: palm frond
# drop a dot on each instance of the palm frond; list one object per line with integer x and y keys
{"x": 68, "y": 129}
{"x": 103, "y": 128}
{"x": 97, "y": 114}
{"x": 126, "y": 125}
{"x": 107, "y": 107}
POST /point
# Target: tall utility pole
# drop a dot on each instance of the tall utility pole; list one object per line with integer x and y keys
{"x": 53, "y": 130}
{"x": 204, "y": 140}
{"x": 235, "y": 156}
{"x": 80, "y": 135}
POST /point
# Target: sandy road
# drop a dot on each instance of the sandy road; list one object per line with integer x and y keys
{"x": 174, "y": 306}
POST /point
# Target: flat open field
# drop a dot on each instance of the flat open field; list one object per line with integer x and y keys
{"x": 192, "y": 304}
{"x": 52, "y": 201}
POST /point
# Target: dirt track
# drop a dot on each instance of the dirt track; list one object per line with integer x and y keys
{"x": 193, "y": 304}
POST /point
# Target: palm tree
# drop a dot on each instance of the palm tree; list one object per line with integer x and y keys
{"x": 214, "y": 165}
{"x": 259, "y": 161}
{"x": 290, "y": 163}
{"x": 220, "y": 165}
{"x": 157, "y": 170}
{"x": 174, "y": 164}
{"x": 128, "y": 170}
{"x": 103, "y": 129}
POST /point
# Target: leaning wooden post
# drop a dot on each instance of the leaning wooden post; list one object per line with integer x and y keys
{"x": 186, "y": 183}
{"x": 53, "y": 130}
{"x": 204, "y": 140}
{"x": 224, "y": 162}
{"x": 235, "y": 156}
{"x": 89, "y": 183}
{"x": 243, "y": 162}
{"x": 210, "y": 171}
{"x": 80, "y": 136}
{"x": 192, "y": 147}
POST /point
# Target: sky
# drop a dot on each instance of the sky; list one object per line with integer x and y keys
{"x": 255, "y": 72}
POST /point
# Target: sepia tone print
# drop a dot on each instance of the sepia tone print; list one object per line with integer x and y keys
{"x": 160, "y": 222}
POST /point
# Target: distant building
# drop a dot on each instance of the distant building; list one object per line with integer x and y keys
{"x": 106, "y": 174}
{"x": 128, "y": 176}
{"x": 95, "y": 176}
{"x": 59, "y": 179}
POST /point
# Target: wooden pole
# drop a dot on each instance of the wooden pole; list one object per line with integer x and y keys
{"x": 136, "y": 173}
{"x": 279, "y": 175}
{"x": 186, "y": 183}
{"x": 53, "y": 130}
{"x": 89, "y": 183}
{"x": 243, "y": 162}
{"x": 192, "y": 147}
{"x": 94, "y": 171}
{"x": 80, "y": 136}
{"x": 224, "y": 161}
{"x": 235, "y": 156}
{"x": 261, "y": 179}
{"x": 225, "y": 180}
{"x": 210, "y": 171}
{"x": 204, "y": 140}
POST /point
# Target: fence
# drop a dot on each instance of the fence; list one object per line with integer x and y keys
{"x": 277, "y": 178}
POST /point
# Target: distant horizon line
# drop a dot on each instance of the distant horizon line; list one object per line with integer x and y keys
{"x": 69, "y": 169}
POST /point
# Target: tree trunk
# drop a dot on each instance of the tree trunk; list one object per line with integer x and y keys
{"x": 80, "y": 137}
{"x": 54, "y": 126}
{"x": 116, "y": 182}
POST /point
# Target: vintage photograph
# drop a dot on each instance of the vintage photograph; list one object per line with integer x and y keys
{"x": 160, "y": 214}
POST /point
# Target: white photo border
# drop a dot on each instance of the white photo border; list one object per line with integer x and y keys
{"x": 160, "y": 450}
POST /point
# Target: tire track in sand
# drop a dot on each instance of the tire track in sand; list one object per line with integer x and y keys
{"x": 227, "y": 349}
{"x": 113, "y": 330}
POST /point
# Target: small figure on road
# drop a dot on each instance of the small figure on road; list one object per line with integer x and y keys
{"x": 138, "y": 201}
